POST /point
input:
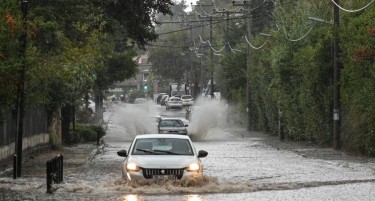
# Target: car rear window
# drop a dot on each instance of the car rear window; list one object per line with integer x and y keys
{"x": 171, "y": 123}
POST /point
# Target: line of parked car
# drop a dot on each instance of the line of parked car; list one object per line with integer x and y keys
{"x": 174, "y": 102}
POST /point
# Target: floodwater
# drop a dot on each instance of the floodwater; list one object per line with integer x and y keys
{"x": 236, "y": 168}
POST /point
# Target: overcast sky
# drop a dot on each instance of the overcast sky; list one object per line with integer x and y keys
{"x": 188, "y": 3}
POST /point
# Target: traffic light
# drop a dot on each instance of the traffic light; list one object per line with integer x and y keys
{"x": 145, "y": 87}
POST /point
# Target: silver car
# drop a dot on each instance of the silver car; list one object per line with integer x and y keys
{"x": 174, "y": 102}
{"x": 157, "y": 156}
{"x": 172, "y": 126}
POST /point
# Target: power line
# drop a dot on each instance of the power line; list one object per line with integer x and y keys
{"x": 353, "y": 11}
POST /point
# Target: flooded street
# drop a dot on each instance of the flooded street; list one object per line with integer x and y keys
{"x": 239, "y": 166}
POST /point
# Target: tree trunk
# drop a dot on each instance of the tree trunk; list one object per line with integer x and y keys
{"x": 55, "y": 130}
{"x": 66, "y": 114}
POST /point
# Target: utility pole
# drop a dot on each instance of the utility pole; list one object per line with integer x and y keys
{"x": 336, "y": 76}
{"x": 212, "y": 62}
{"x": 247, "y": 4}
{"x": 211, "y": 55}
{"x": 21, "y": 90}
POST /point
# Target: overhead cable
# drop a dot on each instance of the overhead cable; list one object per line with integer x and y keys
{"x": 252, "y": 46}
{"x": 352, "y": 11}
{"x": 209, "y": 43}
{"x": 234, "y": 50}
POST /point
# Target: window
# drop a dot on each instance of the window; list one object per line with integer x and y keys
{"x": 145, "y": 76}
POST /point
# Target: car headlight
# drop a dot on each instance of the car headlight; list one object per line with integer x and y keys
{"x": 194, "y": 167}
{"x": 181, "y": 132}
{"x": 163, "y": 131}
{"x": 132, "y": 167}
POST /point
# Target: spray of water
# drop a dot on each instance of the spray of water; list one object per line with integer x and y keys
{"x": 207, "y": 114}
{"x": 136, "y": 118}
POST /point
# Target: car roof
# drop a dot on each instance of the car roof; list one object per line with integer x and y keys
{"x": 145, "y": 136}
{"x": 170, "y": 118}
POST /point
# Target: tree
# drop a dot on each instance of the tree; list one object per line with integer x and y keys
{"x": 137, "y": 17}
{"x": 171, "y": 63}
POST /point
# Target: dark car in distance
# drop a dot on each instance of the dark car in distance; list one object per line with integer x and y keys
{"x": 158, "y": 98}
{"x": 172, "y": 126}
{"x": 163, "y": 99}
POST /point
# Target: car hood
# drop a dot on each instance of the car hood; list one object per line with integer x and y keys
{"x": 163, "y": 161}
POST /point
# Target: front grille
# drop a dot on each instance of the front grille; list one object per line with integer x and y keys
{"x": 173, "y": 173}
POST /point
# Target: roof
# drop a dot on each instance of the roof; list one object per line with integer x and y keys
{"x": 143, "y": 136}
{"x": 171, "y": 118}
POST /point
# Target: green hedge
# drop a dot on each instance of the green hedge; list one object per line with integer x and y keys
{"x": 86, "y": 133}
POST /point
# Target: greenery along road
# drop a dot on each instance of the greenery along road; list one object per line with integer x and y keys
{"x": 290, "y": 73}
{"x": 78, "y": 47}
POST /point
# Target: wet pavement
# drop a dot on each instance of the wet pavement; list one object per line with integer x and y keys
{"x": 240, "y": 165}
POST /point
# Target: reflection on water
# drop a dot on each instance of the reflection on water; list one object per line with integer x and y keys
{"x": 133, "y": 197}
{"x": 194, "y": 198}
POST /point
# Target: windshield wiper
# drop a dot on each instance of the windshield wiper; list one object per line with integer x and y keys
{"x": 146, "y": 151}
{"x": 168, "y": 152}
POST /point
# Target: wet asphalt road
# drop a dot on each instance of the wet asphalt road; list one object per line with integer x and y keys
{"x": 239, "y": 166}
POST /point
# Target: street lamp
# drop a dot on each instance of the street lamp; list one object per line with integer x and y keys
{"x": 319, "y": 20}
{"x": 337, "y": 65}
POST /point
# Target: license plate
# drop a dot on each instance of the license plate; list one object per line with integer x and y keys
{"x": 163, "y": 177}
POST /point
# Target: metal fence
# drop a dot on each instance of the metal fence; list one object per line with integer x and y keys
{"x": 35, "y": 122}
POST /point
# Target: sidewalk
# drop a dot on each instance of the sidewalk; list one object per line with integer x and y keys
{"x": 303, "y": 149}
{"x": 34, "y": 164}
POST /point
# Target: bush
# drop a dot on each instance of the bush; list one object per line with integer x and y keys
{"x": 86, "y": 133}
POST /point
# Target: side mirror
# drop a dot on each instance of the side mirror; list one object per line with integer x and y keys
{"x": 122, "y": 153}
{"x": 202, "y": 154}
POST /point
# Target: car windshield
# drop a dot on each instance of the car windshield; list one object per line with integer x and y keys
{"x": 175, "y": 99}
{"x": 186, "y": 97}
{"x": 140, "y": 101}
{"x": 162, "y": 146}
{"x": 171, "y": 123}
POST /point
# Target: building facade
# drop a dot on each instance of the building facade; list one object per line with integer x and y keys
{"x": 137, "y": 82}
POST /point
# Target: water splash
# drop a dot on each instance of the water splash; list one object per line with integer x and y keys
{"x": 136, "y": 118}
{"x": 207, "y": 114}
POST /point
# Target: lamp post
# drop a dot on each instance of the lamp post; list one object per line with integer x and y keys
{"x": 247, "y": 4}
{"x": 337, "y": 65}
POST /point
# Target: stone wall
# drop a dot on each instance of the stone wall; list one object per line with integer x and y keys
{"x": 28, "y": 142}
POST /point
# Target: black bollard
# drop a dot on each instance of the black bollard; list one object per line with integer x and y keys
{"x": 61, "y": 168}
{"x": 15, "y": 166}
{"x": 49, "y": 176}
